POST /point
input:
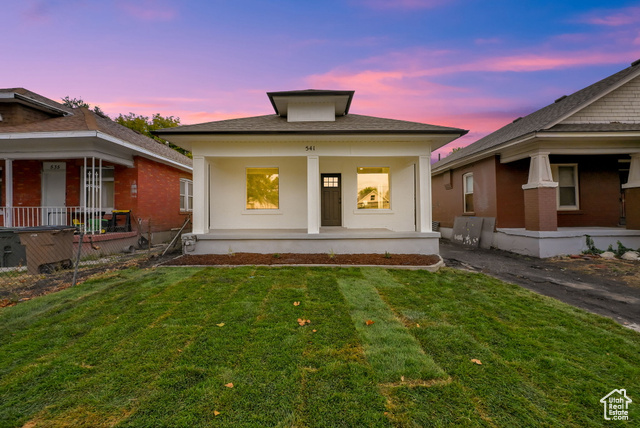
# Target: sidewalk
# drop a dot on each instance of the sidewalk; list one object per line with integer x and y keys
{"x": 602, "y": 296}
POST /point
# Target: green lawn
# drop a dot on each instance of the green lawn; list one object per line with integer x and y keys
{"x": 161, "y": 347}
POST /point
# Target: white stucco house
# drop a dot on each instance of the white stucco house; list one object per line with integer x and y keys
{"x": 294, "y": 181}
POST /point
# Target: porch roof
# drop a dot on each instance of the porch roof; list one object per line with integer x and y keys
{"x": 275, "y": 124}
{"x": 546, "y": 119}
{"x": 80, "y": 120}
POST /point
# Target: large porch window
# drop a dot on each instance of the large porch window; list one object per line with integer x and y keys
{"x": 263, "y": 189}
{"x": 566, "y": 175}
{"x": 373, "y": 188}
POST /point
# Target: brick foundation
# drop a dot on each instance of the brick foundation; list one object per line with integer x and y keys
{"x": 632, "y": 201}
{"x": 540, "y": 212}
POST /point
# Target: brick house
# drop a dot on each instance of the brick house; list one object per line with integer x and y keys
{"x": 548, "y": 179}
{"x": 295, "y": 181}
{"x": 64, "y": 166}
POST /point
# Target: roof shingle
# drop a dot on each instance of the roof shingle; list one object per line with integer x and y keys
{"x": 544, "y": 118}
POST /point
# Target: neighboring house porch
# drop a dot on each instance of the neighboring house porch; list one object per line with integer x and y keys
{"x": 565, "y": 171}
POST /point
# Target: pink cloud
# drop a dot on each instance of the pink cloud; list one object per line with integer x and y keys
{"x": 621, "y": 17}
{"x": 148, "y": 10}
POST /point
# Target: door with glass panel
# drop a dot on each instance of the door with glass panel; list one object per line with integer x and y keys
{"x": 331, "y": 200}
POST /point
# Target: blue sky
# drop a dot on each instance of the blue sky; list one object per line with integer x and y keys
{"x": 466, "y": 63}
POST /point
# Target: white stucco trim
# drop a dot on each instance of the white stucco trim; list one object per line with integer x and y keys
{"x": 313, "y": 194}
{"x": 423, "y": 194}
{"x": 200, "y": 195}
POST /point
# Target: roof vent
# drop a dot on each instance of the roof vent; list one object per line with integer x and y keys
{"x": 560, "y": 99}
{"x": 515, "y": 120}
{"x": 636, "y": 62}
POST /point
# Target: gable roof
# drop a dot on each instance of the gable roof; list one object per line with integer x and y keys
{"x": 548, "y": 118}
{"x": 83, "y": 119}
{"x": 275, "y": 124}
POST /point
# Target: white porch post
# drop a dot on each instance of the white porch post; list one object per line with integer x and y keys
{"x": 634, "y": 173}
{"x": 200, "y": 195}
{"x": 8, "y": 164}
{"x": 540, "y": 172}
{"x": 423, "y": 195}
{"x": 313, "y": 194}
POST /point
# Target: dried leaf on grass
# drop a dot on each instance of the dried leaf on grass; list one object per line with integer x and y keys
{"x": 220, "y": 325}
{"x": 302, "y": 321}
{"x": 229, "y": 385}
{"x": 369, "y": 322}
{"x": 473, "y": 360}
{"x": 216, "y": 413}
{"x": 296, "y": 303}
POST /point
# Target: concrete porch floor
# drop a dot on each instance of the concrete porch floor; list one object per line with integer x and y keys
{"x": 338, "y": 240}
{"x": 565, "y": 240}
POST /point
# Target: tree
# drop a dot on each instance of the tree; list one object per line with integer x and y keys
{"x": 141, "y": 124}
{"x": 145, "y": 125}
{"x": 79, "y": 102}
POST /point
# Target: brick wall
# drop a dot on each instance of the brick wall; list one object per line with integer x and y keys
{"x": 621, "y": 105}
{"x": 447, "y": 195}
{"x": 509, "y": 180}
{"x": 540, "y": 209}
{"x": 599, "y": 192}
{"x": 632, "y": 197}
{"x": 18, "y": 114}
{"x": 27, "y": 182}
{"x": 159, "y": 194}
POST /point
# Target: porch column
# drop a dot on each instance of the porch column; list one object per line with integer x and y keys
{"x": 313, "y": 194}
{"x": 8, "y": 167}
{"x": 423, "y": 195}
{"x": 200, "y": 195}
{"x": 632, "y": 193}
{"x": 540, "y": 206}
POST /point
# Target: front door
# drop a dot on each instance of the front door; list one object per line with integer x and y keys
{"x": 54, "y": 180}
{"x": 331, "y": 200}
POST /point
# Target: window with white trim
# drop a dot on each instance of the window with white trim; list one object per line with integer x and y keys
{"x": 186, "y": 195}
{"x": 263, "y": 188}
{"x": 373, "y": 188}
{"x": 566, "y": 175}
{"x": 467, "y": 185}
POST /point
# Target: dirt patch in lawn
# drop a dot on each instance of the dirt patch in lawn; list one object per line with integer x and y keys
{"x": 237, "y": 259}
{"x": 612, "y": 269}
{"x": 27, "y": 287}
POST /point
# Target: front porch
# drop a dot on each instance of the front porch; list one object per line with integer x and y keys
{"x": 85, "y": 220}
{"x": 563, "y": 241}
{"x": 337, "y": 240}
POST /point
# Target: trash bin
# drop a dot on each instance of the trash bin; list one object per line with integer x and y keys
{"x": 47, "y": 247}
{"x": 12, "y": 252}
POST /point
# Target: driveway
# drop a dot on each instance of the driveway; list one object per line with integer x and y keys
{"x": 605, "y": 296}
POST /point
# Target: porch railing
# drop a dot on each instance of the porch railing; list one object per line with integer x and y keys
{"x": 79, "y": 217}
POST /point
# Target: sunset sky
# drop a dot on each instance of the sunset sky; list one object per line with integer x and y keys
{"x": 465, "y": 63}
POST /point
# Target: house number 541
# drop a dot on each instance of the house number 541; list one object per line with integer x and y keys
{"x": 309, "y": 148}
